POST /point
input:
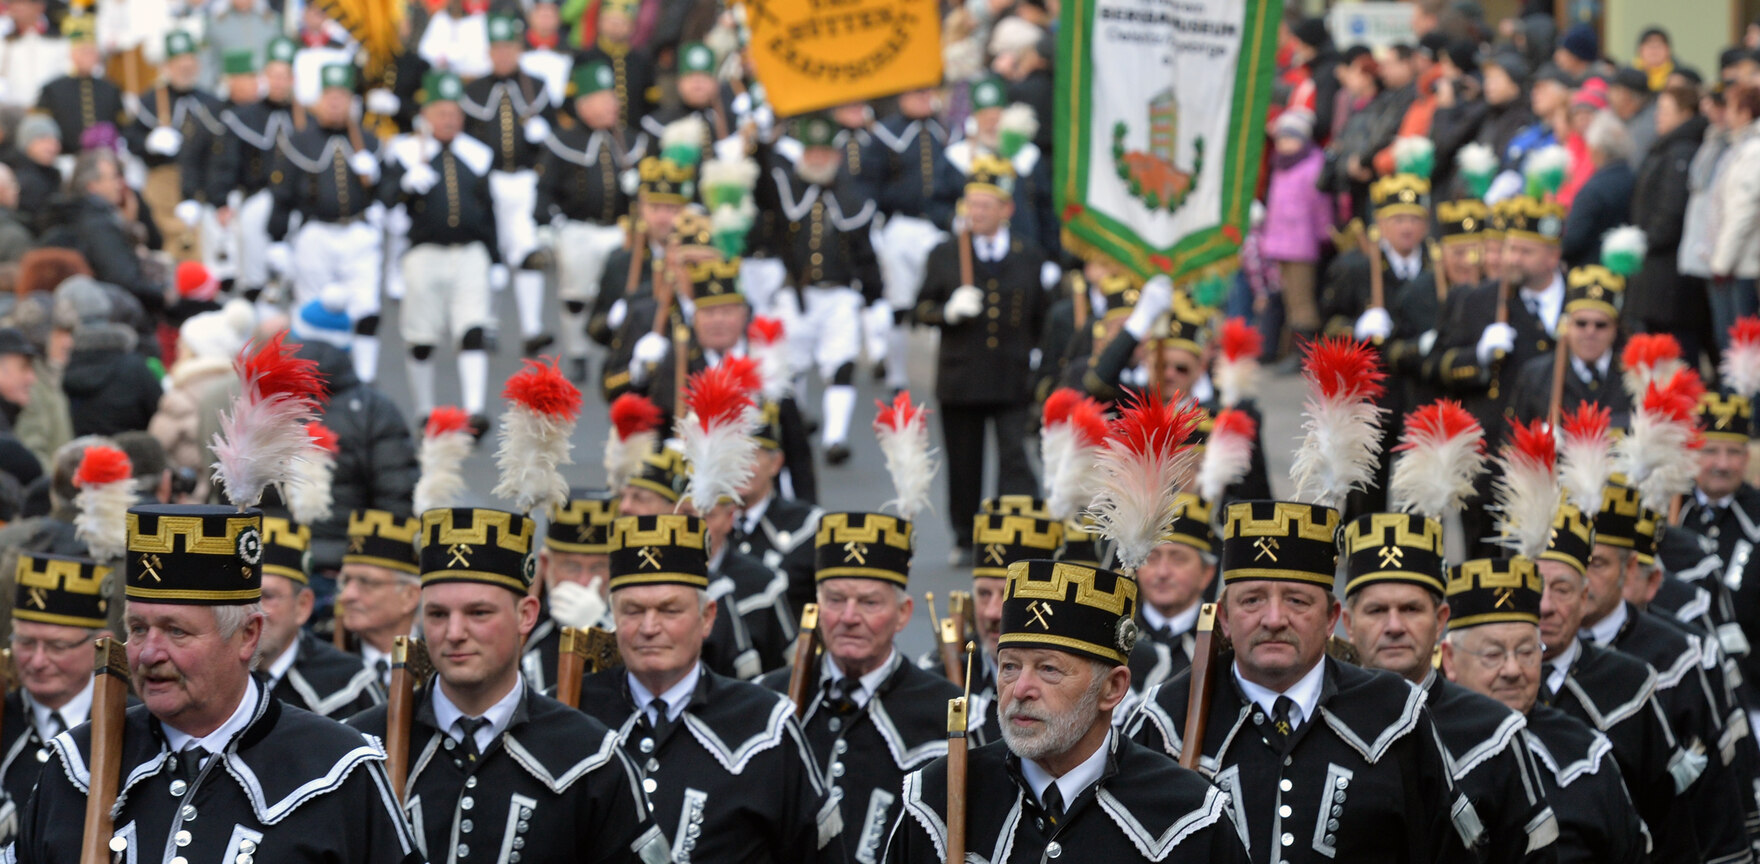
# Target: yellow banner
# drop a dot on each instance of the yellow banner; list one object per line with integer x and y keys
{"x": 813, "y": 54}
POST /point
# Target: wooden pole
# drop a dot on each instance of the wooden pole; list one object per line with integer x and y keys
{"x": 1198, "y": 702}
{"x": 948, "y": 643}
{"x": 400, "y": 712}
{"x": 109, "y": 706}
{"x": 956, "y": 780}
{"x": 1555, "y": 404}
{"x": 1440, "y": 268}
{"x": 1503, "y": 287}
{"x": 571, "y": 666}
{"x": 1371, "y": 242}
{"x": 806, "y": 650}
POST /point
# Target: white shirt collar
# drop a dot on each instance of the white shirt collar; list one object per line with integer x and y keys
{"x": 1180, "y": 623}
{"x": 1559, "y": 668}
{"x": 993, "y": 247}
{"x": 1705, "y": 500}
{"x": 370, "y": 658}
{"x": 1076, "y": 780}
{"x": 446, "y": 715}
{"x": 754, "y": 514}
{"x": 676, "y": 697}
{"x": 278, "y": 669}
{"x": 215, "y": 742}
{"x": 76, "y": 711}
{"x": 1603, "y": 632}
{"x": 1551, "y": 301}
{"x": 868, "y": 684}
{"x": 1404, "y": 266}
{"x": 1305, "y": 693}
{"x": 1601, "y": 366}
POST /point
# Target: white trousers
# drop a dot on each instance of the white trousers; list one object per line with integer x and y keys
{"x": 250, "y": 230}
{"x": 326, "y": 253}
{"x": 902, "y": 247}
{"x": 515, "y": 194}
{"x": 825, "y": 329}
{"x": 761, "y": 280}
{"x": 447, "y": 293}
{"x": 582, "y": 248}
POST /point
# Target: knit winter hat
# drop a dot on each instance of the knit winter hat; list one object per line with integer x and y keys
{"x": 220, "y": 334}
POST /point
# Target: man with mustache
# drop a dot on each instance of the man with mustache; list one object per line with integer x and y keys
{"x": 1394, "y": 614}
{"x": 726, "y": 767}
{"x": 1726, "y": 508}
{"x": 496, "y": 765}
{"x": 876, "y": 716}
{"x": 1062, "y": 779}
{"x": 1322, "y": 760}
{"x": 1493, "y": 648}
{"x": 217, "y": 769}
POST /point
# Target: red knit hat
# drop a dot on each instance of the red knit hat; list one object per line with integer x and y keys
{"x": 194, "y": 282}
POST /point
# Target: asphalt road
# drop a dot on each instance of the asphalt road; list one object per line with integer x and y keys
{"x": 859, "y": 484}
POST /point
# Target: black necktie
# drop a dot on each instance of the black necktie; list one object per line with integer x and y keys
{"x": 470, "y": 725}
{"x": 1711, "y": 514}
{"x": 383, "y": 668}
{"x": 1053, "y": 798}
{"x": 1533, "y": 304}
{"x": 1281, "y": 724}
{"x": 57, "y": 725}
{"x": 838, "y": 697}
{"x": 662, "y": 722}
{"x": 189, "y": 762}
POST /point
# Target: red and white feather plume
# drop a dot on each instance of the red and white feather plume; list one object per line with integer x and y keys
{"x": 446, "y": 442}
{"x": 1442, "y": 453}
{"x": 264, "y": 435}
{"x": 1228, "y": 453}
{"x": 1236, "y": 372}
{"x": 541, "y": 411}
{"x": 1740, "y": 366}
{"x": 1648, "y": 357}
{"x": 1659, "y": 456}
{"x": 1585, "y": 455}
{"x": 765, "y": 343}
{"x": 1527, "y": 488}
{"x": 1142, "y": 468}
{"x": 1339, "y": 451}
{"x": 634, "y": 421}
{"x": 309, "y": 489}
{"x": 717, "y": 433}
{"x": 903, "y": 431}
{"x": 1073, "y": 431}
{"x": 105, "y": 480}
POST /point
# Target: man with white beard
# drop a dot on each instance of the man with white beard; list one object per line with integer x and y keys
{"x": 1061, "y": 778}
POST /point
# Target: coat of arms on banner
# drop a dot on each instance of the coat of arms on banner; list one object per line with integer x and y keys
{"x": 1153, "y": 176}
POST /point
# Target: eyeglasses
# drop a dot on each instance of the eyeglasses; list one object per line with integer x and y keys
{"x": 52, "y": 647}
{"x": 365, "y": 583}
{"x": 1593, "y": 324}
{"x": 1527, "y": 657}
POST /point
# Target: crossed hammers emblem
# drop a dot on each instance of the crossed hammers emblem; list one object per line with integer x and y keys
{"x": 460, "y": 554}
{"x": 857, "y": 552}
{"x": 39, "y": 598}
{"x": 1391, "y": 556}
{"x": 1505, "y": 597}
{"x": 993, "y": 553}
{"x": 1039, "y": 610}
{"x": 649, "y": 557}
{"x": 1267, "y": 547}
{"x": 150, "y": 565}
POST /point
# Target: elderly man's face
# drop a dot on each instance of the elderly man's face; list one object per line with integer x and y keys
{"x": 1561, "y": 607}
{"x": 1606, "y": 582}
{"x": 719, "y": 326}
{"x": 1278, "y": 629}
{"x": 54, "y": 660}
{"x": 376, "y": 600}
{"x": 556, "y": 567}
{"x": 987, "y": 594}
{"x": 1049, "y": 700}
{"x": 860, "y": 618}
{"x": 1722, "y": 465}
{"x": 287, "y": 605}
{"x": 1404, "y": 231}
{"x": 661, "y": 628}
{"x": 641, "y": 501}
{"x": 1497, "y": 660}
{"x": 187, "y": 672}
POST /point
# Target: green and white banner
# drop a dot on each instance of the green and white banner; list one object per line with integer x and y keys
{"x": 1160, "y": 127}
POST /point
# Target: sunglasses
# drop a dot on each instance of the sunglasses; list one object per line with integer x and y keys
{"x": 1180, "y": 368}
{"x": 1596, "y": 324}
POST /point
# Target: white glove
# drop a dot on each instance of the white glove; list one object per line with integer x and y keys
{"x": 1496, "y": 338}
{"x": 1155, "y": 298}
{"x": 967, "y": 302}
{"x": 1374, "y": 323}
{"x": 498, "y": 277}
{"x": 614, "y": 318}
{"x": 382, "y": 101}
{"x": 649, "y": 351}
{"x": 277, "y": 257}
{"x": 419, "y": 178}
{"x": 365, "y": 164}
{"x": 164, "y": 141}
{"x": 188, "y": 212}
{"x": 1426, "y": 342}
{"x": 537, "y": 129}
{"x": 575, "y": 605}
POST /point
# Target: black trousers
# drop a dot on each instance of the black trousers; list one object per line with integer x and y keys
{"x": 963, "y": 428}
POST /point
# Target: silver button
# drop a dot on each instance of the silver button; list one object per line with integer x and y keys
{"x": 450, "y": 744}
{"x": 119, "y": 844}
{"x": 244, "y": 858}
{"x": 247, "y": 846}
{"x": 1284, "y": 811}
{"x": 178, "y": 787}
{"x": 1339, "y": 798}
{"x": 1337, "y": 810}
{"x": 466, "y": 826}
{"x": 841, "y": 747}
{"x": 189, "y": 813}
{"x": 525, "y": 813}
{"x": 782, "y": 538}
{"x": 1258, "y": 718}
{"x": 470, "y": 782}
{"x": 1288, "y": 761}
{"x": 1054, "y": 849}
{"x": 513, "y": 858}
{"x": 522, "y": 826}
{"x": 1332, "y": 840}
{"x": 646, "y": 745}
{"x": 652, "y": 766}
{"x": 1041, "y": 823}
{"x": 1288, "y": 838}
{"x": 42, "y": 755}
{"x": 1285, "y": 785}
{"x": 1332, "y": 825}
{"x": 180, "y": 860}
{"x": 834, "y": 723}
{"x": 1343, "y": 782}
{"x": 519, "y": 842}
{"x": 463, "y": 850}
{"x": 648, "y": 785}
{"x": 182, "y": 838}
{"x": 467, "y": 802}
{"x": 837, "y": 769}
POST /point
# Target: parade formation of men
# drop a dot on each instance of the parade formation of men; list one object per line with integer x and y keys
{"x": 1499, "y": 611}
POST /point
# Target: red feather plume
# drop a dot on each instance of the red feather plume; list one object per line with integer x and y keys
{"x": 100, "y": 465}
{"x": 1437, "y": 421}
{"x": 717, "y": 395}
{"x": 900, "y": 414}
{"x": 1058, "y": 405}
{"x": 542, "y": 388}
{"x": 1677, "y": 400}
{"x": 765, "y": 331}
{"x": 632, "y": 413}
{"x": 444, "y": 419}
{"x": 1344, "y": 368}
{"x": 1648, "y": 349}
{"x": 1087, "y": 419}
{"x": 276, "y": 370}
{"x": 323, "y": 437}
{"x": 1240, "y": 339}
{"x": 1232, "y": 422}
{"x": 1532, "y": 444}
{"x": 745, "y": 371}
{"x": 1589, "y": 420}
{"x": 1746, "y": 331}
{"x": 1145, "y": 463}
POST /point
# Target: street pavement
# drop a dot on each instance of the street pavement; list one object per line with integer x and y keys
{"x": 859, "y": 484}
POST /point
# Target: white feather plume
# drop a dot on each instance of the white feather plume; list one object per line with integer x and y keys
{"x": 1342, "y": 441}
{"x": 717, "y": 437}
{"x": 446, "y": 443}
{"x": 1476, "y": 158}
{"x": 903, "y": 431}
{"x": 1659, "y": 456}
{"x": 1228, "y": 455}
{"x": 1019, "y": 118}
{"x": 264, "y": 435}
{"x": 309, "y": 489}
{"x": 102, "y": 520}
{"x": 1585, "y": 455}
{"x": 1740, "y": 365}
{"x": 1527, "y": 496}
{"x": 1442, "y": 455}
{"x": 535, "y": 431}
{"x": 1142, "y": 469}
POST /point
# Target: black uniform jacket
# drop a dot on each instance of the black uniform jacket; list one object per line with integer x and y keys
{"x": 292, "y": 786}
{"x": 1490, "y": 763}
{"x": 325, "y": 680}
{"x": 1596, "y": 820}
{"x": 1144, "y": 808}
